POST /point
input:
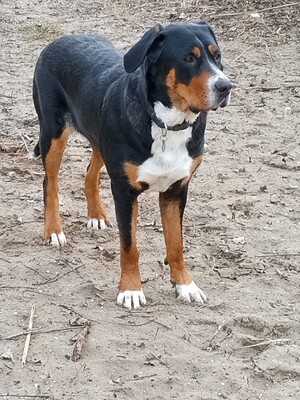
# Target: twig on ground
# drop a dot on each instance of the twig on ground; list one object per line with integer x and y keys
{"x": 28, "y": 396}
{"x": 245, "y": 51}
{"x": 70, "y": 309}
{"x": 8, "y": 97}
{"x": 77, "y": 351}
{"x": 281, "y": 274}
{"x": 17, "y": 287}
{"x": 27, "y": 341}
{"x": 217, "y": 16}
{"x": 36, "y": 271}
{"x": 266, "y": 343}
{"x": 52, "y": 280}
{"x": 76, "y": 375}
{"x": 139, "y": 378}
{"x": 221, "y": 327}
{"x": 147, "y": 211}
{"x": 158, "y": 358}
{"x": 4, "y": 259}
{"x": 141, "y": 324}
{"x": 23, "y": 139}
{"x": 33, "y": 331}
{"x": 278, "y": 255}
{"x": 160, "y": 323}
{"x": 280, "y": 6}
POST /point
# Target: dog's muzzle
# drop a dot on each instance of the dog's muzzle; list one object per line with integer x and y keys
{"x": 223, "y": 87}
{"x": 221, "y": 92}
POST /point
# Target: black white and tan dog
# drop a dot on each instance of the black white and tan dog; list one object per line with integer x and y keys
{"x": 145, "y": 116}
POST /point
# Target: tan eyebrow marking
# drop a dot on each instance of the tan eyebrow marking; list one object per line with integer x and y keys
{"x": 196, "y": 52}
{"x": 213, "y": 49}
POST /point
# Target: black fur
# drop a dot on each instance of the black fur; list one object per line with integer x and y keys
{"x": 83, "y": 81}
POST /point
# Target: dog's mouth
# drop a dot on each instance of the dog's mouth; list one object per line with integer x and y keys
{"x": 220, "y": 104}
{"x": 226, "y": 101}
{"x": 223, "y": 103}
{"x": 220, "y": 92}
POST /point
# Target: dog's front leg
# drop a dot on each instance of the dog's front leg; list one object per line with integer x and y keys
{"x": 130, "y": 288}
{"x": 172, "y": 204}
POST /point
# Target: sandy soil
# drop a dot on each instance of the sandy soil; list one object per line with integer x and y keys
{"x": 241, "y": 226}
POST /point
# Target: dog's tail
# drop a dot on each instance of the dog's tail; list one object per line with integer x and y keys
{"x": 36, "y": 150}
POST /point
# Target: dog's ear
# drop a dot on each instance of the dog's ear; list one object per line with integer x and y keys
{"x": 150, "y": 43}
{"x": 207, "y": 26}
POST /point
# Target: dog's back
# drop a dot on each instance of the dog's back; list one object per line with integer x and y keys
{"x": 66, "y": 73}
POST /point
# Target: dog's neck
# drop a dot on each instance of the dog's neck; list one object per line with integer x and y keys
{"x": 172, "y": 116}
{"x": 167, "y": 118}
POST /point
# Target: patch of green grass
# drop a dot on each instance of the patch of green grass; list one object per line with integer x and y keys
{"x": 41, "y": 31}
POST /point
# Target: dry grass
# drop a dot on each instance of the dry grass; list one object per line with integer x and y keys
{"x": 46, "y": 32}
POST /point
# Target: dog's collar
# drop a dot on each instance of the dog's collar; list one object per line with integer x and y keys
{"x": 178, "y": 127}
{"x": 150, "y": 110}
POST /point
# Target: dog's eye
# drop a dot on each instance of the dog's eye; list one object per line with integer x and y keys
{"x": 189, "y": 59}
{"x": 217, "y": 57}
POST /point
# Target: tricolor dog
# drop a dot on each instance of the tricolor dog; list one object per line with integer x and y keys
{"x": 144, "y": 115}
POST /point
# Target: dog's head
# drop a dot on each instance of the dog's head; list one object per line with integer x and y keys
{"x": 183, "y": 66}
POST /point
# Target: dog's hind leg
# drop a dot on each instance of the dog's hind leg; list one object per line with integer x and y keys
{"x": 51, "y": 108}
{"x": 96, "y": 213}
{"x": 53, "y": 232}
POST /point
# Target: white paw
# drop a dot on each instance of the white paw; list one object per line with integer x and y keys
{"x": 190, "y": 293}
{"x": 58, "y": 239}
{"x": 31, "y": 156}
{"x": 94, "y": 223}
{"x": 131, "y": 299}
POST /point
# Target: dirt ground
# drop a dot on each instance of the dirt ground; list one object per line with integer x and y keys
{"x": 241, "y": 227}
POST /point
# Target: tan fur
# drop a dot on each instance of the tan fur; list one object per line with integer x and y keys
{"x": 132, "y": 172}
{"x": 195, "y": 164}
{"x": 92, "y": 177}
{"x": 212, "y": 49}
{"x": 195, "y": 94}
{"x": 196, "y": 52}
{"x": 170, "y": 215}
{"x": 52, "y": 164}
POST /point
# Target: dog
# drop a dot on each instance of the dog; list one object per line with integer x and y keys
{"x": 145, "y": 116}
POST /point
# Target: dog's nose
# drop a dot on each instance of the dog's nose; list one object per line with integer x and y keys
{"x": 223, "y": 85}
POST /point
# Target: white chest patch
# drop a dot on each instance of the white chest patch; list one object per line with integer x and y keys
{"x": 171, "y": 162}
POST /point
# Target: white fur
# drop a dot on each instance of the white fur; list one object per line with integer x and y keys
{"x": 166, "y": 167}
{"x": 32, "y": 156}
{"x": 131, "y": 299}
{"x": 190, "y": 293}
{"x": 94, "y": 223}
{"x": 212, "y": 92}
{"x": 58, "y": 239}
{"x": 173, "y": 116}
